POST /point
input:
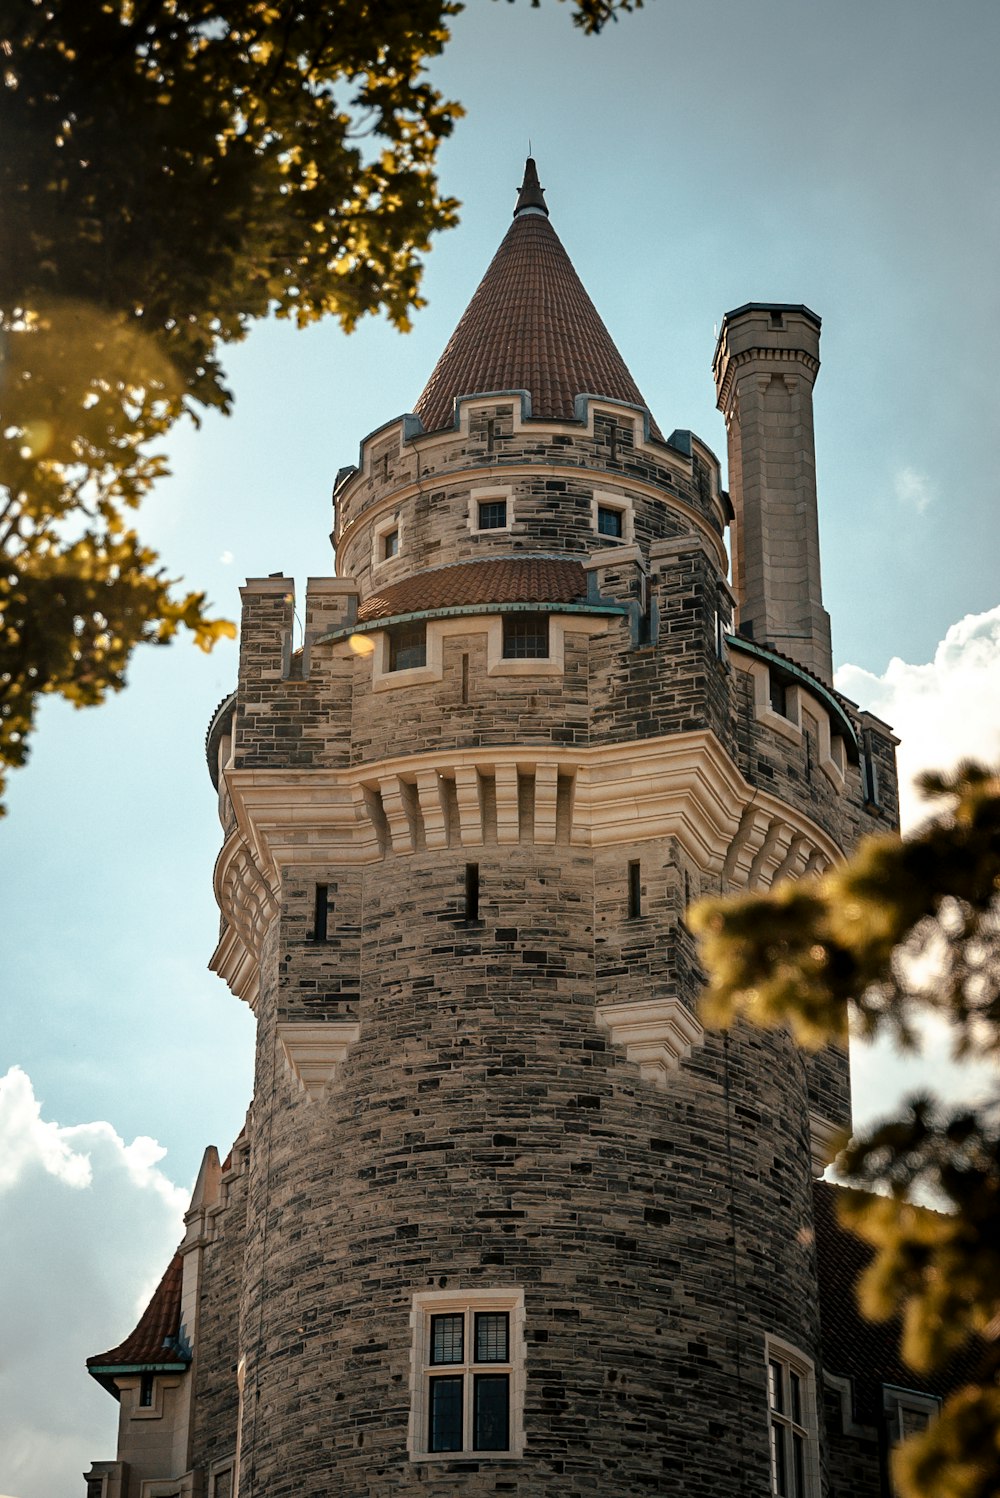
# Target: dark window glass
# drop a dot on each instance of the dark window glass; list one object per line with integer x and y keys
{"x": 799, "y": 1465}
{"x": 491, "y": 1399}
{"x": 390, "y": 545}
{"x": 146, "y": 1391}
{"x": 525, "y": 637}
{"x": 609, "y": 522}
{"x": 95, "y": 1487}
{"x": 407, "y": 646}
{"x": 445, "y": 1424}
{"x": 778, "y": 1461}
{"x": 447, "y": 1339}
{"x": 492, "y": 1336}
{"x": 774, "y": 1386}
{"x": 321, "y": 911}
{"x": 492, "y": 514}
{"x": 778, "y": 700}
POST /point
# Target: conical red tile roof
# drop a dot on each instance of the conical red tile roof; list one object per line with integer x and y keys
{"x": 530, "y": 326}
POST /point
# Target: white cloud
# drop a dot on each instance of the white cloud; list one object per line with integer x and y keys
{"x": 913, "y": 489}
{"x": 942, "y": 710}
{"x": 87, "y": 1226}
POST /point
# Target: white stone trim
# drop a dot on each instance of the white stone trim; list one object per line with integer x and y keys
{"x": 435, "y": 1302}
{"x": 791, "y": 1358}
{"x": 790, "y": 727}
{"x": 606, "y": 499}
{"x": 487, "y": 494}
{"x": 391, "y": 521}
{"x": 440, "y": 630}
{"x": 314, "y": 1052}
{"x": 656, "y": 1034}
{"x": 823, "y": 1134}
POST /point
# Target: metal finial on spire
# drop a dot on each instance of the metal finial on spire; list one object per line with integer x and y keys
{"x": 531, "y": 196}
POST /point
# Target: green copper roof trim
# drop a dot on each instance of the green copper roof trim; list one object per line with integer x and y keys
{"x": 799, "y": 674}
{"x": 368, "y": 626}
{"x": 99, "y": 1370}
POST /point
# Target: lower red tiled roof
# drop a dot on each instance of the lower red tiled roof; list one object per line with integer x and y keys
{"x": 507, "y": 580}
{"x": 155, "y": 1338}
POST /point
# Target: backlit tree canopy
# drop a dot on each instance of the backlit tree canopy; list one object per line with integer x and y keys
{"x": 172, "y": 170}
{"x": 906, "y": 930}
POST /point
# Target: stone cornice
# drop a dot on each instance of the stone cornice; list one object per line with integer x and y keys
{"x": 683, "y": 786}
{"x": 736, "y": 363}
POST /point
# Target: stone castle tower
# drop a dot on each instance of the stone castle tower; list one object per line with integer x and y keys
{"x": 504, "y": 1217}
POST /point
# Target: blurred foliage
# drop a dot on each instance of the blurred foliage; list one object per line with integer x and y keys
{"x": 171, "y": 171}
{"x": 906, "y": 931}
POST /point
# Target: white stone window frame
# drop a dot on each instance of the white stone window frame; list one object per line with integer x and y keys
{"x": 133, "y": 1383}
{"x": 792, "y": 1360}
{"x": 450, "y": 1302}
{"x": 896, "y": 1400}
{"x": 221, "y": 1469}
{"x": 382, "y": 528}
{"x": 832, "y": 762}
{"x": 490, "y": 494}
{"x": 439, "y": 630}
{"x": 606, "y": 500}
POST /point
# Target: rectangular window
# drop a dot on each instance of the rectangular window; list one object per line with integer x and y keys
{"x": 525, "y": 637}
{"x": 869, "y": 772}
{"x": 407, "y": 646}
{"x": 390, "y": 545}
{"x": 610, "y": 522}
{"x": 146, "y": 1391}
{"x": 468, "y": 1375}
{"x": 779, "y": 700}
{"x": 792, "y": 1418}
{"x": 492, "y": 514}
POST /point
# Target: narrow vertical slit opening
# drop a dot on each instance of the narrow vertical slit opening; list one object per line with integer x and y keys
{"x": 321, "y": 912}
{"x": 634, "y": 891}
{"x": 472, "y": 891}
{"x": 465, "y": 678}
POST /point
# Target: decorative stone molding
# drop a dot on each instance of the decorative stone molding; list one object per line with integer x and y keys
{"x": 823, "y": 1134}
{"x": 656, "y": 1034}
{"x": 438, "y": 630}
{"x": 313, "y": 1052}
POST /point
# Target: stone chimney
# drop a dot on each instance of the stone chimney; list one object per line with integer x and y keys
{"x": 766, "y": 363}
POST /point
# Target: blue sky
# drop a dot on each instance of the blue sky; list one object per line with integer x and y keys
{"x": 696, "y": 156}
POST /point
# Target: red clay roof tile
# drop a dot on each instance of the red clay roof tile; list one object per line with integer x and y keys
{"x": 154, "y": 1340}
{"x": 506, "y": 580}
{"x": 530, "y": 326}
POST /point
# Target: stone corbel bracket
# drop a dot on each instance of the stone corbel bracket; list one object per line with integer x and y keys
{"x": 655, "y": 1034}
{"x": 823, "y": 1135}
{"x": 314, "y": 1052}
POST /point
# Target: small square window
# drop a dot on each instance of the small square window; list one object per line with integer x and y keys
{"x": 492, "y": 514}
{"x": 610, "y": 522}
{"x": 390, "y": 545}
{"x": 525, "y": 637}
{"x": 407, "y": 646}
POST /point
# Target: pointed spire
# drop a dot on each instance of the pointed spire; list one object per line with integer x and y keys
{"x": 530, "y": 326}
{"x": 531, "y": 194}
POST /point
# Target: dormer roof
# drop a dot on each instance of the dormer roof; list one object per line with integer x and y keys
{"x": 530, "y": 326}
{"x": 156, "y": 1343}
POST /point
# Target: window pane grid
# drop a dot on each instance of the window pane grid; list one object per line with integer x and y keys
{"x": 492, "y": 514}
{"x": 609, "y": 521}
{"x": 445, "y": 1424}
{"x": 526, "y": 637}
{"x": 491, "y": 1336}
{"x": 448, "y": 1339}
{"x": 789, "y": 1434}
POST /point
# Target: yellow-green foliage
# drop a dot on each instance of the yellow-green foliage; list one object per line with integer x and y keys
{"x": 904, "y": 929}
{"x": 172, "y": 170}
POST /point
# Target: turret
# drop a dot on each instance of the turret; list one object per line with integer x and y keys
{"x": 766, "y": 363}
